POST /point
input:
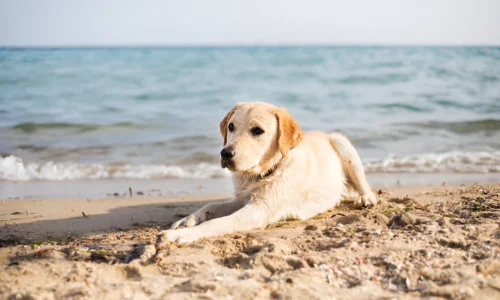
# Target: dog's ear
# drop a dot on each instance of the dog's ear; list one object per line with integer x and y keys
{"x": 223, "y": 123}
{"x": 289, "y": 133}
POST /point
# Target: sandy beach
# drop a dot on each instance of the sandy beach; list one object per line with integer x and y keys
{"x": 115, "y": 126}
{"x": 434, "y": 242}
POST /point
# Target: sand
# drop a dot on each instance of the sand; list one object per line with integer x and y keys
{"x": 420, "y": 242}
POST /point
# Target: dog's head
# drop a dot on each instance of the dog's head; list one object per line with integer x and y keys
{"x": 256, "y": 136}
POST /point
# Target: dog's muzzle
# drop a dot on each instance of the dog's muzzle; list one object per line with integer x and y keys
{"x": 226, "y": 155}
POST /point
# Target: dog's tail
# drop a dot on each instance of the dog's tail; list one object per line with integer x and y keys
{"x": 351, "y": 164}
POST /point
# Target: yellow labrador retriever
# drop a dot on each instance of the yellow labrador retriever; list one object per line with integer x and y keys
{"x": 279, "y": 173}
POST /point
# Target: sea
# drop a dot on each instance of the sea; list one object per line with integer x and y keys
{"x": 71, "y": 114}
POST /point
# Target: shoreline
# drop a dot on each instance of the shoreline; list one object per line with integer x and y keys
{"x": 119, "y": 188}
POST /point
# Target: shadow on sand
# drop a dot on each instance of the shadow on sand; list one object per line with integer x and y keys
{"x": 121, "y": 219}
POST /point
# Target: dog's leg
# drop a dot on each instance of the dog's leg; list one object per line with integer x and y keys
{"x": 353, "y": 168}
{"x": 251, "y": 216}
{"x": 210, "y": 211}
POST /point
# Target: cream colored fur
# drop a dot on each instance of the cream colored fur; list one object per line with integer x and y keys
{"x": 310, "y": 173}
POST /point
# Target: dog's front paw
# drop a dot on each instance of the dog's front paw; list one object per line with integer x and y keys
{"x": 179, "y": 236}
{"x": 191, "y": 220}
{"x": 368, "y": 199}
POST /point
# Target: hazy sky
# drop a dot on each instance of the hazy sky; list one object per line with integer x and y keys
{"x": 163, "y": 22}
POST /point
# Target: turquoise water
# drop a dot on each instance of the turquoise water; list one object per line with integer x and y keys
{"x": 154, "y": 112}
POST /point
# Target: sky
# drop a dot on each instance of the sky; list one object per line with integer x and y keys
{"x": 243, "y": 22}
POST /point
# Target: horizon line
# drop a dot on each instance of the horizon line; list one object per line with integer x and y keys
{"x": 249, "y": 45}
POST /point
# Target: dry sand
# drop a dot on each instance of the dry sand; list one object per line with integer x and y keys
{"x": 435, "y": 243}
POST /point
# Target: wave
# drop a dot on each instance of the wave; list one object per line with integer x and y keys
{"x": 464, "y": 127}
{"x": 376, "y": 80}
{"x": 400, "y": 106}
{"x": 448, "y": 162}
{"x": 32, "y": 127}
{"x": 452, "y": 104}
{"x": 14, "y": 169}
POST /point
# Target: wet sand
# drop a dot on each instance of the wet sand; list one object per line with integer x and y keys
{"x": 435, "y": 242}
{"x": 83, "y": 189}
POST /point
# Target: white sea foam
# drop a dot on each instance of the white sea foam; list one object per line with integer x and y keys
{"x": 455, "y": 162}
{"x": 13, "y": 168}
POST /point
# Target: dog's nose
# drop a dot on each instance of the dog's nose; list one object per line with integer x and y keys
{"x": 227, "y": 152}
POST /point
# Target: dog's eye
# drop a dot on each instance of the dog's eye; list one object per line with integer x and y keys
{"x": 257, "y": 131}
{"x": 231, "y": 127}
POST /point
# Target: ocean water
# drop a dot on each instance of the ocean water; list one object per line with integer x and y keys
{"x": 99, "y": 113}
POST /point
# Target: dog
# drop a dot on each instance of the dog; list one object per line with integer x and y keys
{"x": 279, "y": 173}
